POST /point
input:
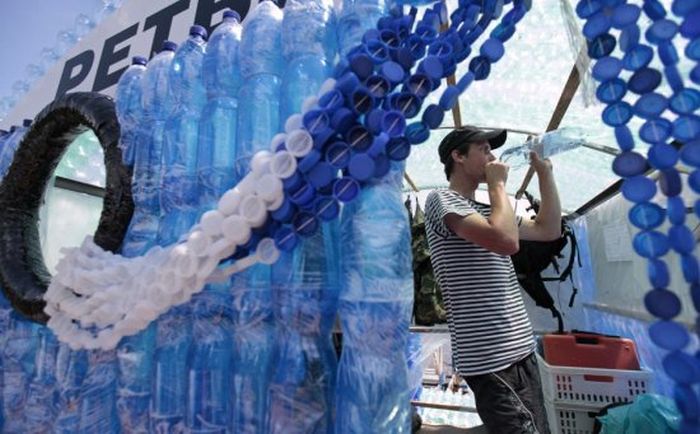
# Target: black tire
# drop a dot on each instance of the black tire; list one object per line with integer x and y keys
{"x": 23, "y": 274}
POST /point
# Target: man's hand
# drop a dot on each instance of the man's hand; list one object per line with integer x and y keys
{"x": 541, "y": 166}
{"x": 496, "y": 171}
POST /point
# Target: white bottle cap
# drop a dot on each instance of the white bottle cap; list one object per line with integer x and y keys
{"x": 309, "y": 104}
{"x": 276, "y": 141}
{"x": 211, "y": 222}
{"x": 294, "y": 122}
{"x": 270, "y": 188}
{"x": 283, "y": 165}
{"x": 267, "y": 252}
{"x": 327, "y": 86}
{"x": 299, "y": 143}
{"x": 228, "y": 204}
{"x": 236, "y": 230}
{"x": 254, "y": 211}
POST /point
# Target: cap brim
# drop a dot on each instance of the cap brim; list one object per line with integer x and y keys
{"x": 496, "y": 138}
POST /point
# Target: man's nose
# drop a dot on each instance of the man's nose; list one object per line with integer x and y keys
{"x": 491, "y": 157}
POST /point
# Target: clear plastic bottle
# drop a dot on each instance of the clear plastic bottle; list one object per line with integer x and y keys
{"x": 309, "y": 47}
{"x": 306, "y": 286}
{"x": 373, "y": 394}
{"x": 129, "y": 109}
{"x": 178, "y": 195}
{"x": 98, "y": 392}
{"x": 5, "y": 315}
{"x": 259, "y": 96}
{"x": 355, "y": 18}
{"x": 12, "y": 142}
{"x": 40, "y": 411}
{"x": 71, "y": 368}
{"x": 546, "y": 145}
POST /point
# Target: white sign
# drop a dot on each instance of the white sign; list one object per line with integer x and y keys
{"x": 617, "y": 241}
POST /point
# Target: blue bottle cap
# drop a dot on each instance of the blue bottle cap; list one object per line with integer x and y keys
{"x": 345, "y": 189}
{"x": 624, "y": 15}
{"x": 406, "y": 103}
{"x": 585, "y": 9}
{"x": 661, "y": 31}
{"x": 316, "y": 120}
{"x": 303, "y": 195}
{"x": 607, "y": 68}
{"x": 650, "y": 105}
{"x": 658, "y": 273}
{"x": 690, "y": 153}
{"x": 692, "y": 50}
{"x": 624, "y": 138}
{"x": 342, "y": 120}
{"x": 432, "y": 67}
{"x": 601, "y": 46}
{"x": 376, "y": 51}
{"x": 663, "y": 156}
{"x": 309, "y": 161}
{"x": 292, "y": 183}
{"x": 284, "y": 213}
{"x": 650, "y": 244}
{"x": 197, "y": 30}
{"x": 359, "y": 138}
{"x": 492, "y": 49}
{"x": 417, "y": 133}
{"x": 373, "y": 120}
{"x": 647, "y": 215}
{"x": 404, "y": 57}
{"x": 347, "y": 83}
{"x": 382, "y": 166}
{"x": 393, "y": 72}
{"x": 670, "y": 182}
{"x": 685, "y": 128}
{"x": 390, "y": 38}
{"x": 628, "y": 164}
{"x": 331, "y": 100}
{"x": 673, "y": 77}
{"x": 378, "y": 86}
{"x": 629, "y": 37}
{"x": 695, "y": 74}
{"x": 514, "y": 15}
{"x": 654, "y": 9}
{"x": 326, "y": 208}
{"x": 322, "y": 136}
{"x": 480, "y": 66}
{"x": 682, "y": 368}
{"x": 668, "y": 54}
{"x": 611, "y": 91}
{"x": 361, "y": 100}
{"x": 378, "y": 145}
{"x": 637, "y": 57}
{"x": 669, "y": 335}
{"x": 305, "y": 224}
{"x": 433, "y": 116}
{"x": 662, "y": 303}
{"x": 370, "y": 35}
{"x": 338, "y": 155}
{"x": 139, "y": 60}
{"x": 694, "y": 183}
{"x": 503, "y": 32}
{"x": 286, "y": 239}
{"x": 685, "y": 102}
{"x": 419, "y": 85}
{"x": 398, "y": 149}
{"x": 617, "y": 114}
{"x": 321, "y": 175}
{"x": 596, "y": 25}
{"x": 687, "y": 402}
{"x": 676, "y": 210}
{"x": 691, "y": 273}
{"x": 361, "y": 167}
{"x": 638, "y": 189}
{"x": 362, "y": 65}
{"x": 681, "y": 239}
{"x": 168, "y": 46}
{"x": 655, "y": 131}
{"x": 26, "y": 123}
{"x": 416, "y": 45}
{"x": 393, "y": 123}
{"x": 228, "y": 13}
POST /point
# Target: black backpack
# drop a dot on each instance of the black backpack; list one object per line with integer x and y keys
{"x": 535, "y": 256}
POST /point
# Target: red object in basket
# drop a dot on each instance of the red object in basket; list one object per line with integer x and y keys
{"x": 589, "y": 350}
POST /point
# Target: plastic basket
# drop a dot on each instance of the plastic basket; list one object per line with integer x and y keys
{"x": 569, "y": 420}
{"x": 591, "y": 388}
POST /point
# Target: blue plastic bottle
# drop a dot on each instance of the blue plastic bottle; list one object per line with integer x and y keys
{"x": 309, "y": 47}
{"x": 129, "y": 109}
{"x": 5, "y": 315}
{"x": 259, "y": 97}
{"x": 218, "y": 130}
{"x": 18, "y": 354}
{"x": 373, "y": 394}
{"x": 355, "y": 18}
{"x": 41, "y": 410}
{"x": 98, "y": 391}
{"x": 71, "y": 368}
{"x": 209, "y": 365}
{"x": 178, "y": 195}
{"x": 12, "y": 142}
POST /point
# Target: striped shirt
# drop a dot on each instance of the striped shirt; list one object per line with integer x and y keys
{"x": 489, "y": 326}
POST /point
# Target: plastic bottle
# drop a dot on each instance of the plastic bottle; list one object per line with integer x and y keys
{"x": 355, "y": 18}
{"x": 71, "y": 368}
{"x": 306, "y": 287}
{"x": 129, "y": 108}
{"x": 373, "y": 394}
{"x": 40, "y": 411}
{"x": 5, "y": 315}
{"x": 98, "y": 391}
{"x": 309, "y": 47}
{"x": 218, "y": 130}
{"x": 12, "y": 142}
{"x": 261, "y": 68}
{"x": 178, "y": 195}
{"x": 546, "y": 145}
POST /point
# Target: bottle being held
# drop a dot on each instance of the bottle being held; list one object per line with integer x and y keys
{"x": 545, "y": 145}
{"x": 127, "y": 102}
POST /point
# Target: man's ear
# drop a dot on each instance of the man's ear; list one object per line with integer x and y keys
{"x": 456, "y": 156}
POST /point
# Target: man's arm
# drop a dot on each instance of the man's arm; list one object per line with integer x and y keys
{"x": 498, "y": 233}
{"x": 547, "y": 224}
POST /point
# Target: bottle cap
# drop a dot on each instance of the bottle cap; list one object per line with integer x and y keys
{"x": 373, "y": 120}
{"x": 398, "y": 149}
{"x": 362, "y": 100}
{"x": 378, "y": 145}
{"x": 347, "y": 83}
{"x": 331, "y": 100}
{"x": 393, "y": 123}
{"x": 293, "y": 183}
{"x": 419, "y": 85}
{"x": 169, "y": 46}
{"x": 304, "y": 223}
{"x": 299, "y": 143}
{"x": 303, "y": 195}
{"x": 359, "y": 138}
{"x": 433, "y": 116}
{"x": 338, "y": 155}
{"x": 492, "y": 49}
{"x": 26, "y": 123}
{"x": 607, "y": 68}
{"x": 197, "y": 30}
{"x": 362, "y": 65}
{"x": 625, "y": 14}
{"x": 393, "y": 72}
{"x": 284, "y": 213}
{"x": 342, "y": 120}
{"x": 326, "y": 208}
{"x": 417, "y": 133}
{"x": 376, "y": 51}
{"x": 345, "y": 189}
{"x": 286, "y": 239}
{"x": 596, "y": 25}
{"x": 378, "y": 86}
{"x": 139, "y": 60}
{"x": 644, "y": 80}
{"x": 405, "y": 103}
{"x": 382, "y": 166}
{"x": 309, "y": 161}
{"x": 361, "y": 167}
{"x": 228, "y": 13}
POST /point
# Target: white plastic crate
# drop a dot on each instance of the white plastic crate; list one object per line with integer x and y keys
{"x": 591, "y": 388}
{"x": 569, "y": 420}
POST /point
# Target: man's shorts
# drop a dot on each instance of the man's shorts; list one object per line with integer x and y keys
{"x": 511, "y": 401}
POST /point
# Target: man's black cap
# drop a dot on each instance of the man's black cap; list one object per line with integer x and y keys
{"x": 459, "y": 136}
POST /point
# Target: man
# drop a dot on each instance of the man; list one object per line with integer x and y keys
{"x": 470, "y": 245}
